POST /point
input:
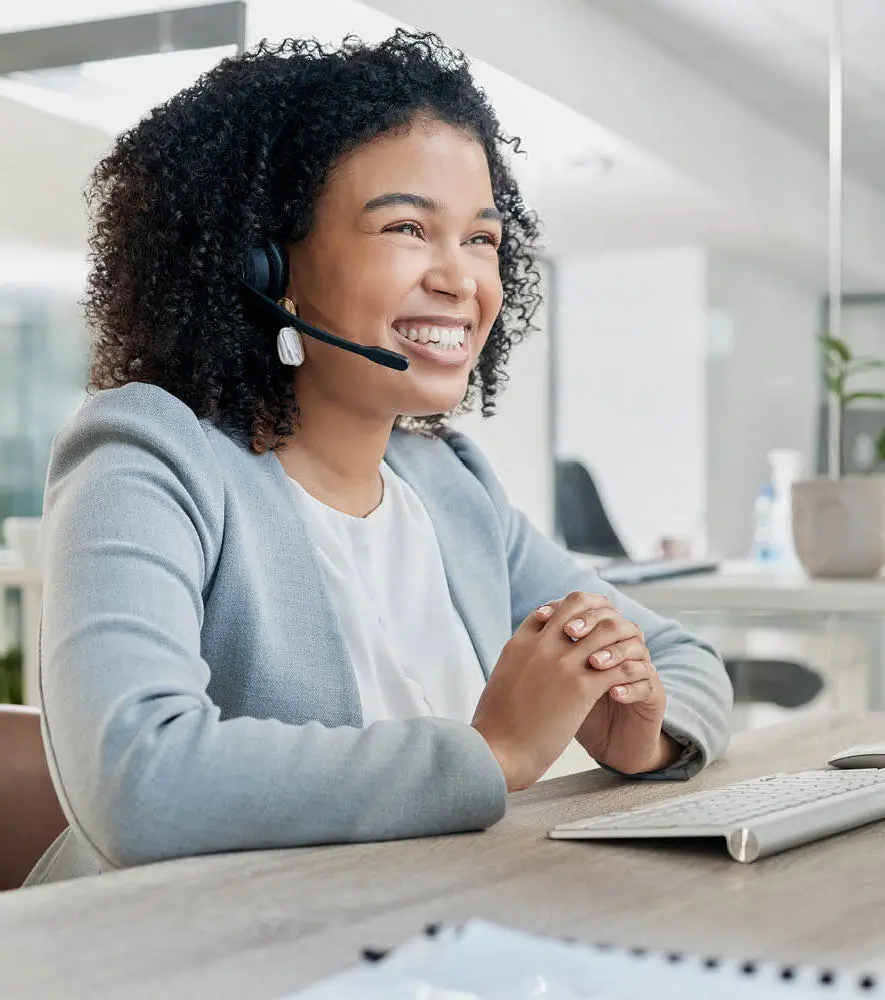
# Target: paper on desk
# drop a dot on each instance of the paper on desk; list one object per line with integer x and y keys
{"x": 481, "y": 961}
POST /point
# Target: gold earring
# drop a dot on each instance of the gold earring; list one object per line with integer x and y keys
{"x": 288, "y": 305}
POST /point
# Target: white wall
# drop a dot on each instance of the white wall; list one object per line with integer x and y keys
{"x": 762, "y": 389}
{"x": 45, "y": 162}
{"x": 677, "y": 371}
{"x": 774, "y": 186}
{"x": 630, "y": 377}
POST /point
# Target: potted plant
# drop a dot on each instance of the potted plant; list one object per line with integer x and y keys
{"x": 839, "y": 520}
{"x": 11, "y": 677}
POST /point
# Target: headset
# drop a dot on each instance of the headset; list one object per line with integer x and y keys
{"x": 264, "y": 276}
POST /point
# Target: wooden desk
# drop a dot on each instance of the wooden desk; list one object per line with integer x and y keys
{"x": 264, "y": 924}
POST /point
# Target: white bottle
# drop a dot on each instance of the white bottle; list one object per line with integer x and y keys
{"x": 763, "y": 551}
{"x": 785, "y": 469}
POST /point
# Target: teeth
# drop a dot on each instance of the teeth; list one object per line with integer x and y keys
{"x": 447, "y": 337}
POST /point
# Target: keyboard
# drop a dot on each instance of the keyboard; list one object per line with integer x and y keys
{"x": 626, "y": 571}
{"x": 757, "y": 818}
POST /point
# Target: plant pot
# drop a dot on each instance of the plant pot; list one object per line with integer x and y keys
{"x": 839, "y": 525}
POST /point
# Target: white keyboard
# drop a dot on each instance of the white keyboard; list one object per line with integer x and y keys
{"x": 757, "y": 818}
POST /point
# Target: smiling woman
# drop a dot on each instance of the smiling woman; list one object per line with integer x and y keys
{"x": 407, "y": 224}
{"x": 307, "y": 146}
{"x": 284, "y": 604}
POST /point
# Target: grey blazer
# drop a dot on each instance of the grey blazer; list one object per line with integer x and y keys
{"x": 196, "y": 690}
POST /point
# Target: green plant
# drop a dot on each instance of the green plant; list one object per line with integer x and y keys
{"x": 842, "y": 367}
{"x": 11, "y": 677}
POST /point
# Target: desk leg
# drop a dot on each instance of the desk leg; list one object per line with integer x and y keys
{"x": 876, "y": 676}
{"x": 32, "y": 595}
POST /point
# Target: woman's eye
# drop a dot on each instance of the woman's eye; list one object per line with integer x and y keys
{"x": 409, "y": 228}
{"x": 485, "y": 239}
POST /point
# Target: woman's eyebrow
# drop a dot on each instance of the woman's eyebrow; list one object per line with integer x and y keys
{"x": 490, "y": 213}
{"x": 423, "y": 202}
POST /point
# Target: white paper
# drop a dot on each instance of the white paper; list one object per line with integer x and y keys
{"x": 481, "y": 961}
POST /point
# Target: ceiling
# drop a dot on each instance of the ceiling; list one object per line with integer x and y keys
{"x": 774, "y": 56}
{"x": 594, "y": 190}
{"x": 48, "y": 13}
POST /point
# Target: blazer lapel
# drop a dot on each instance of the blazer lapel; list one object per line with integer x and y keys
{"x": 308, "y": 607}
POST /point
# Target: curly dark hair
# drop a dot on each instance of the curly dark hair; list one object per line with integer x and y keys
{"x": 242, "y": 155}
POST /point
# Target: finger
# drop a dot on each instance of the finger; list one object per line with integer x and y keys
{"x": 601, "y": 682}
{"x": 606, "y": 632}
{"x": 577, "y": 607}
{"x": 638, "y": 691}
{"x": 543, "y": 614}
{"x": 629, "y": 672}
{"x": 614, "y": 655}
{"x": 535, "y": 621}
{"x": 577, "y": 628}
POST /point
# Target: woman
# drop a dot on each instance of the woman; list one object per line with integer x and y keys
{"x": 284, "y": 605}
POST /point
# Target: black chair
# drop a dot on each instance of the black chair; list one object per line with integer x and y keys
{"x": 778, "y": 682}
{"x": 585, "y": 527}
{"x": 581, "y": 518}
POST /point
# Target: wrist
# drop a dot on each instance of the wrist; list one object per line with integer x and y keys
{"x": 663, "y": 752}
{"x": 667, "y": 752}
{"x": 505, "y": 761}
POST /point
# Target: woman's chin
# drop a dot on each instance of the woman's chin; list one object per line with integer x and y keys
{"x": 428, "y": 396}
{"x": 431, "y": 405}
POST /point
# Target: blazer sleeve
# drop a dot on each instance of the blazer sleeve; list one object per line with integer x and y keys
{"x": 145, "y": 766}
{"x": 699, "y": 693}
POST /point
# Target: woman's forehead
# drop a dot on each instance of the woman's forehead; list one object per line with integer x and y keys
{"x": 445, "y": 165}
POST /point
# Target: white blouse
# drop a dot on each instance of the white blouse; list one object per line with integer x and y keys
{"x": 410, "y": 650}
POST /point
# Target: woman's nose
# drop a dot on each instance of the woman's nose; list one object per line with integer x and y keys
{"x": 460, "y": 286}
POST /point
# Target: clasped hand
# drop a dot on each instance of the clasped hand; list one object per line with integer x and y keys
{"x": 574, "y": 668}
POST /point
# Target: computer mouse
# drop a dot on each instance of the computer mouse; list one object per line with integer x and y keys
{"x": 872, "y": 755}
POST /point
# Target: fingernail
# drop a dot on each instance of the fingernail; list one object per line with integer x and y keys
{"x": 545, "y": 612}
{"x": 620, "y": 690}
{"x": 576, "y": 625}
{"x": 602, "y": 657}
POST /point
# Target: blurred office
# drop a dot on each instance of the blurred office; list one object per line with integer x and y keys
{"x": 677, "y": 153}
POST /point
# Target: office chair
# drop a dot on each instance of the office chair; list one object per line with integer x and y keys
{"x": 30, "y": 815}
{"x": 581, "y": 518}
{"x": 585, "y": 527}
{"x": 778, "y": 682}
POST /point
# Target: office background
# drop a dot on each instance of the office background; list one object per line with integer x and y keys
{"x": 676, "y": 151}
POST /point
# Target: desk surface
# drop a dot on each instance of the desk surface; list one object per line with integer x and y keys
{"x": 739, "y": 587}
{"x": 264, "y": 924}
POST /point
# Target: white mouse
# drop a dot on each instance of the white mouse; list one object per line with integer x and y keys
{"x": 872, "y": 755}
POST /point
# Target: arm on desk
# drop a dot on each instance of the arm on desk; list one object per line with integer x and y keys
{"x": 699, "y": 693}
{"x": 145, "y": 766}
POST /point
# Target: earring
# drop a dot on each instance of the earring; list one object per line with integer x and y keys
{"x": 290, "y": 346}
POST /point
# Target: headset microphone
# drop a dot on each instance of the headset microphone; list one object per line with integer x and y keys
{"x": 265, "y": 276}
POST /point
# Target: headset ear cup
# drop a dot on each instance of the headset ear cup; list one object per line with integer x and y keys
{"x": 255, "y": 270}
{"x": 278, "y": 270}
{"x": 266, "y": 269}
